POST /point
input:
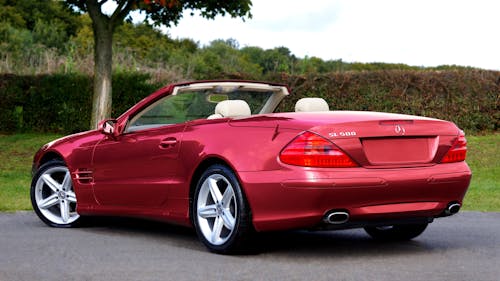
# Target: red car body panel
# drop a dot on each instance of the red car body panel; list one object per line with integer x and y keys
{"x": 151, "y": 173}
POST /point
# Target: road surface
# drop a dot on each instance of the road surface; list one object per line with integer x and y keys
{"x": 463, "y": 247}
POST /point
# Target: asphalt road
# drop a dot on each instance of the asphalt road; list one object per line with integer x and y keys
{"x": 463, "y": 247}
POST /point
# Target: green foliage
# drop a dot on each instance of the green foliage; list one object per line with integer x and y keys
{"x": 468, "y": 97}
{"x": 169, "y": 12}
{"x": 61, "y": 102}
{"x": 145, "y": 42}
{"x": 11, "y": 16}
{"x": 222, "y": 59}
{"x": 31, "y": 32}
{"x": 51, "y": 34}
{"x": 32, "y": 42}
{"x": 44, "y": 37}
{"x": 14, "y": 40}
{"x": 25, "y": 14}
{"x": 129, "y": 89}
{"x": 81, "y": 44}
{"x": 275, "y": 60}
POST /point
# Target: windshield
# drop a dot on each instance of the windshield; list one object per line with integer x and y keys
{"x": 199, "y": 102}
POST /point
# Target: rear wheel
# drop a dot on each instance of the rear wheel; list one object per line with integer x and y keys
{"x": 396, "y": 232}
{"x": 52, "y": 195}
{"x": 220, "y": 212}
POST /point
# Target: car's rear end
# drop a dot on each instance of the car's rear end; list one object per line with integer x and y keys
{"x": 358, "y": 169}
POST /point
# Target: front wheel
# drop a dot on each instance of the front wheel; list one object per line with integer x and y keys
{"x": 396, "y": 232}
{"x": 52, "y": 195}
{"x": 220, "y": 212}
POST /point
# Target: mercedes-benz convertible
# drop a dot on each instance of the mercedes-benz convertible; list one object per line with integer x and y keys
{"x": 214, "y": 155}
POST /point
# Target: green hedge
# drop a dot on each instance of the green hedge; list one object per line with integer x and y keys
{"x": 62, "y": 102}
{"x": 470, "y": 98}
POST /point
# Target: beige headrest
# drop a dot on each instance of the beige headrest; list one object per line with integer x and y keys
{"x": 311, "y": 104}
{"x": 233, "y": 108}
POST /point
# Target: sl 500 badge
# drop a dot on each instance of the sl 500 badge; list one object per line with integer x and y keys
{"x": 342, "y": 134}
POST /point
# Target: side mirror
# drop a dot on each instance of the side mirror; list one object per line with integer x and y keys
{"x": 107, "y": 127}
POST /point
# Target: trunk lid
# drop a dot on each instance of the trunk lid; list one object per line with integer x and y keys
{"x": 372, "y": 139}
{"x": 382, "y": 140}
{"x": 391, "y": 143}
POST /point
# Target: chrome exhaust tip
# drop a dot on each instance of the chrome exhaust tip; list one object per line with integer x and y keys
{"x": 338, "y": 217}
{"x": 452, "y": 208}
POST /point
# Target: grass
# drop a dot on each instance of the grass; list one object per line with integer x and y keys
{"x": 483, "y": 157}
{"x": 16, "y": 152}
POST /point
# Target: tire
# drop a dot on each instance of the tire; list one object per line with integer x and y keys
{"x": 220, "y": 213}
{"x": 52, "y": 195}
{"x": 401, "y": 232}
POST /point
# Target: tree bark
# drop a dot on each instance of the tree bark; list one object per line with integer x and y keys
{"x": 103, "y": 61}
{"x": 101, "y": 102}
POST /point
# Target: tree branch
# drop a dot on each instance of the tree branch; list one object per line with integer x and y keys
{"x": 94, "y": 9}
{"x": 102, "y": 2}
{"x": 121, "y": 12}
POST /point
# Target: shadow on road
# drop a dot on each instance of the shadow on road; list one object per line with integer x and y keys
{"x": 304, "y": 243}
{"x": 340, "y": 243}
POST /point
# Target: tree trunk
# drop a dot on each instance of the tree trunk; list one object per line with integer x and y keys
{"x": 102, "y": 26}
{"x": 101, "y": 102}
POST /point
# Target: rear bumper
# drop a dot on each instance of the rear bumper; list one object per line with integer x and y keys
{"x": 297, "y": 197}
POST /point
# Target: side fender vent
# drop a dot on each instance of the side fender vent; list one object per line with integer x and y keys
{"x": 84, "y": 176}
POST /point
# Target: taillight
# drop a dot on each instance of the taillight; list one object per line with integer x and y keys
{"x": 311, "y": 150}
{"x": 457, "y": 151}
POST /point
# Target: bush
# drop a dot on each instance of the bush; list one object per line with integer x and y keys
{"x": 468, "y": 97}
{"x": 61, "y": 102}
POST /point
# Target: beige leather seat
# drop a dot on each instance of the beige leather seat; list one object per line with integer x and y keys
{"x": 231, "y": 108}
{"x": 311, "y": 105}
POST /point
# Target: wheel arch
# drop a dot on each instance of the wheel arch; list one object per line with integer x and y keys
{"x": 46, "y": 157}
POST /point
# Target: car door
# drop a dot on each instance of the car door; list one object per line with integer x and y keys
{"x": 137, "y": 167}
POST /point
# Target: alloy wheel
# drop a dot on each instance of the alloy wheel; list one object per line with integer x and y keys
{"x": 216, "y": 209}
{"x": 54, "y": 196}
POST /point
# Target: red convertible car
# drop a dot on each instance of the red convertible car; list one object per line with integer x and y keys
{"x": 214, "y": 156}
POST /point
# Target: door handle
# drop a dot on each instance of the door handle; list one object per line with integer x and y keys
{"x": 167, "y": 143}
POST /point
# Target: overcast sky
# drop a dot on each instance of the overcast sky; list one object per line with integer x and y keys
{"x": 421, "y": 33}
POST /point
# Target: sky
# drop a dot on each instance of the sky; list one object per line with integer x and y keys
{"x": 419, "y": 33}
